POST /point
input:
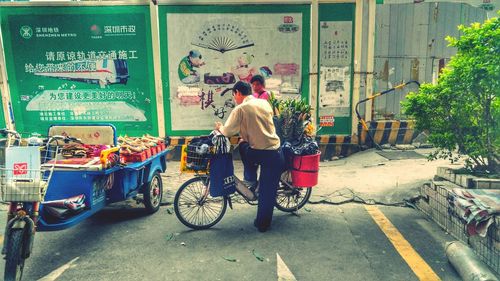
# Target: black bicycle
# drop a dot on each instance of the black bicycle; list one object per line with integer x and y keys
{"x": 196, "y": 209}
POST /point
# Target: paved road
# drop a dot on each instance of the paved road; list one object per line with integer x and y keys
{"x": 324, "y": 243}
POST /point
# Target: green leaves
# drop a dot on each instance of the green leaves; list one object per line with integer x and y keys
{"x": 292, "y": 116}
{"x": 462, "y": 110}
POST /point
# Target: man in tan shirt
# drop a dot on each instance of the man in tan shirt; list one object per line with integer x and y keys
{"x": 259, "y": 146}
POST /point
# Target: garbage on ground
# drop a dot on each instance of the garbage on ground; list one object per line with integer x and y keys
{"x": 169, "y": 236}
{"x": 231, "y": 259}
{"x": 257, "y": 255}
{"x": 373, "y": 165}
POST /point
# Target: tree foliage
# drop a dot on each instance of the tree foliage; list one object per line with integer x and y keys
{"x": 462, "y": 111}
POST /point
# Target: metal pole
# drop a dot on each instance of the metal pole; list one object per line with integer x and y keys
{"x": 313, "y": 77}
{"x": 358, "y": 32}
{"x": 370, "y": 58}
{"x": 4, "y": 87}
{"x": 155, "y": 37}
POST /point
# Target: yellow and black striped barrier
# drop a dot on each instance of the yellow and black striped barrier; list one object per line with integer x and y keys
{"x": 383, "y": 131}
{"x": 330, "y": 146}
{"x": 388, "y": 131}
{"x": 336, "y": 145}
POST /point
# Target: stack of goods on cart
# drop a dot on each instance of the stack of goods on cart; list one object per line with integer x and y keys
{"x": 138, "y": 149}
{"x": 74, "y": 153}
{"x": 292, "y": 120}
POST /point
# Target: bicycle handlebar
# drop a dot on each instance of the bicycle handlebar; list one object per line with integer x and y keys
{"x": 5, "y": 132}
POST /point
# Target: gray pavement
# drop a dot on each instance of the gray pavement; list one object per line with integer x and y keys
{"x": 324, "y": 242}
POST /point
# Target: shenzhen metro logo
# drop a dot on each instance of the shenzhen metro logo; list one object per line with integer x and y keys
{"x": 26, "y": 32}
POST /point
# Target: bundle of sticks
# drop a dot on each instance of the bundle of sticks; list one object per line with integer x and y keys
{"x": 131, "y": 145}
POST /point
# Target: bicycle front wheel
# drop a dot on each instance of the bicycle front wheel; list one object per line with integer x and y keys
{"x": 14, "y": 262}
{"x": 194, "y": 206}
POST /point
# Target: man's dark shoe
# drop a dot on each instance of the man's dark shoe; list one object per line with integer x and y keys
{"x": 255, "y": 189}
{"x": 260, "y": 228}
{"x": 243, "y": 188}
{"x": 253, "y": 186}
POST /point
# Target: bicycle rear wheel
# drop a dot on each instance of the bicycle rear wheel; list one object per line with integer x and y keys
{"x": 194, "y": 206}
{"x": 289, "y": 198}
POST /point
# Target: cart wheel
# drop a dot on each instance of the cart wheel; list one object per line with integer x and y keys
{"x": 14, "y": 263}
{"x": 194, "y": 206}
{"x": 153, "y": 193}
{"x": 289, "y": 198}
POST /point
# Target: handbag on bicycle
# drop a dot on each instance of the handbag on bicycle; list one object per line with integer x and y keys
{"x": 222, "y": 181}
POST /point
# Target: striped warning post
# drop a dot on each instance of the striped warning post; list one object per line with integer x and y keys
{"x": 336, "y": 145}
{"x": 388, "y": 131}
{"x": 384, "y": 131}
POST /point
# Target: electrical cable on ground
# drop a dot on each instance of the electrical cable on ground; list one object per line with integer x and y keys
{"x": 349, "y": 196}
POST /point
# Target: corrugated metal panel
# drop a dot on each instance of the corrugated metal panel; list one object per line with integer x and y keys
{"x": 381, "y": 49}
{"x": 410, "y": 40}
{"x": 421, "y": 38}
{"x": 409, "y": 27}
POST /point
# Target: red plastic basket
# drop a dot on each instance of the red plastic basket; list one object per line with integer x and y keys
{"x": 148, "y": 153}
{"x": 305, "y": 170}
{"x": 136, "y": 157}
{"x": 153, "y": 150}
{"x": 162, "y": 146}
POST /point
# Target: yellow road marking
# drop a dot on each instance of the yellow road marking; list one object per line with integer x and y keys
{"x": 59, "y": 271}
{"x": 284, "y": 273}
{"x": 404, "y": 248}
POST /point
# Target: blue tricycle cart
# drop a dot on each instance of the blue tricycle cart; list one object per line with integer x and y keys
{"x": 76, "y": 191}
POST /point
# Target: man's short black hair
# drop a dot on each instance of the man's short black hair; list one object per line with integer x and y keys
{"x": 258, "y": 78}
{"x": 244, "y": 88}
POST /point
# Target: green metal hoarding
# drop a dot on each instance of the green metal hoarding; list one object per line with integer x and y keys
{"x": 335, "y": 68}
{"x": 69, "y": 64}
{"x": 206, "y": 49}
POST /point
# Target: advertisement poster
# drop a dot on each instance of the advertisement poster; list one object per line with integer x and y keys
{"x": 81, "y": 65}
{"x": 335, "y": 54}
{"x": 209, "y": 52}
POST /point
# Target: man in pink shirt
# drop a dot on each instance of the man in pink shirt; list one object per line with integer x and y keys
{"x": 259, "y": 87}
